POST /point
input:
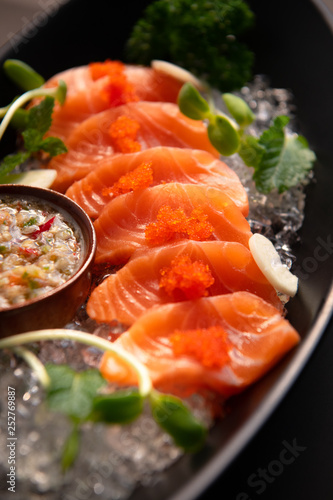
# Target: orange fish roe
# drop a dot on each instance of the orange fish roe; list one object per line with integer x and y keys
{"x": 140, "y": 177}
{"x": 117, "y": 89}
{"x": 123, "y": 132}
{"x": 186, "y": 278}
{"x": 172, "y": 222}
{"x": 209, "y": 346}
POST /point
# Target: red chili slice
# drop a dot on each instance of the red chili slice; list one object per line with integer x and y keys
{"x": 43, "y": 227}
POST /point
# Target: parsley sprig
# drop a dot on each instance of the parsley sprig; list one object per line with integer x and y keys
{"x": 280, "y": 161}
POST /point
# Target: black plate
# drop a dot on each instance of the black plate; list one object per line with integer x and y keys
{"x": 293, "y": 46}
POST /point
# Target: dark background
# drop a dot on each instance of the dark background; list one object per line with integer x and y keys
{"x": 294, "y": 46}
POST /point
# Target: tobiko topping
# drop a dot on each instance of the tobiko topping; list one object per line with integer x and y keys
{"x": 209, "y": 346}
{"x": 186, "y": 277}
{"x": 123, "y": 132}
{"x": 171, "y": 222}
{"x": 140, "y": 177}
{"x": 117, "y": 90}
{"x": 39, "y": 250}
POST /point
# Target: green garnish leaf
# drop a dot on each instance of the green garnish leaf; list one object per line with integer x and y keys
{"x": 10, "y": 162}
{"x": 191, "y": 103}
{"x": 117, "y": 408}
{"x": 251, "y": 151}
{"x": 239, "y": 110}
{"x": 285, "y": 161}
{"x": 38, "y": 121}
{"x": 178, "y": 421}
{"x": 22, "y": 74}
{"x": 53, "y": 146}
{"x": 40, "y": 116}
{"x": 279, "y": 161}
{"x": 61, "y": 92}
{"x": 223, "y": 135}
{"x": 72, "y": 393}
{"x": 71, "y": 449}
{"x": 20, "y": 119}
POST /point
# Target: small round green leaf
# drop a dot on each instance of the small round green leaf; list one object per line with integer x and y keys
{"x": 119, "y": 407}
{"x": 191, "y": 103}
{"x": 61, "y": 92}
{"x": 22, "y": 74}
{"x": 177, "y": 420}
{"x": 71, "y": 449}
{"x": 223, "y": 136}
{"x": 239, "y": 110}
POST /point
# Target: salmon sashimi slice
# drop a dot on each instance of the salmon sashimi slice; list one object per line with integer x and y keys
{"x": 166, "y": 213}
{"x": 179, "y": 271}
{"x": 125, "y": 129}
{"x": 224, "y": 343}
{"x": 190, "y": 166}
{"x": 115, "y": 84}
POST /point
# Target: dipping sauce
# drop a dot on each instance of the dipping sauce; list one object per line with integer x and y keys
{"x": 39, "y": 250}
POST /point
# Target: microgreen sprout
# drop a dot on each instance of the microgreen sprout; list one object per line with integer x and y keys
{"x": 33, "y": 123}
{"x": 280, "y": 161}
{"x": 79, "y": 395}
{"x": 23, "y": 75}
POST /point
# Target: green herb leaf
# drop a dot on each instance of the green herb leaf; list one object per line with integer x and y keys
{"x": 223, "y": 135}
{"x": 285, "y": 160}
{"x": 22, "y": 74}
{"x": 117, "y": 408}
{"x": 32, "y": 139}
{"x": 71, "y": 449}
{"x": 251, "y": 151}
{"x": 61, "y": 92}
{"x": 176, "y": 419}
{"x": 20, "y": 118}
{"x": 53, "y": 146}
{"x": 73, "y": 393}
{"x": 10, "y": 162}
{"x": 239, "y": 110}
{"x": 40, "y": 116}
{"x": 192, "y": 104}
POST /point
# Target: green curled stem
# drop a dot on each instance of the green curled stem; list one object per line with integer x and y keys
{"x": 35, "y": 364}
{"x": 144, "y": 381}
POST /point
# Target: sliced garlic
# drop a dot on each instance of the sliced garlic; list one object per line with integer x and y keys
{"x": 177, "y": 72}
{"x": 43, "y": 178}
{"x": 269, "y": 262}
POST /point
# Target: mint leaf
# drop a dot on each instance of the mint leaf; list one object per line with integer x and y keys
{"x": 251, "y": 151}
{"x": 53, "y": 145}
{"x": 280, "y": 162}
{"x": 32, "y": 139}
{"x": 72, "y": 393}
{"x": 40, "y": 116}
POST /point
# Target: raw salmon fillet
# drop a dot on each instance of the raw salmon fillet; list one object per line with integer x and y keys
{"x": 159, "y": 124}
{"x": 135, "y": 288}
{"x": 224, "y": 343}
{"x": 163, "y": 214}
{"x": 86, "y": 96}
{"x": 190, "y": 166}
